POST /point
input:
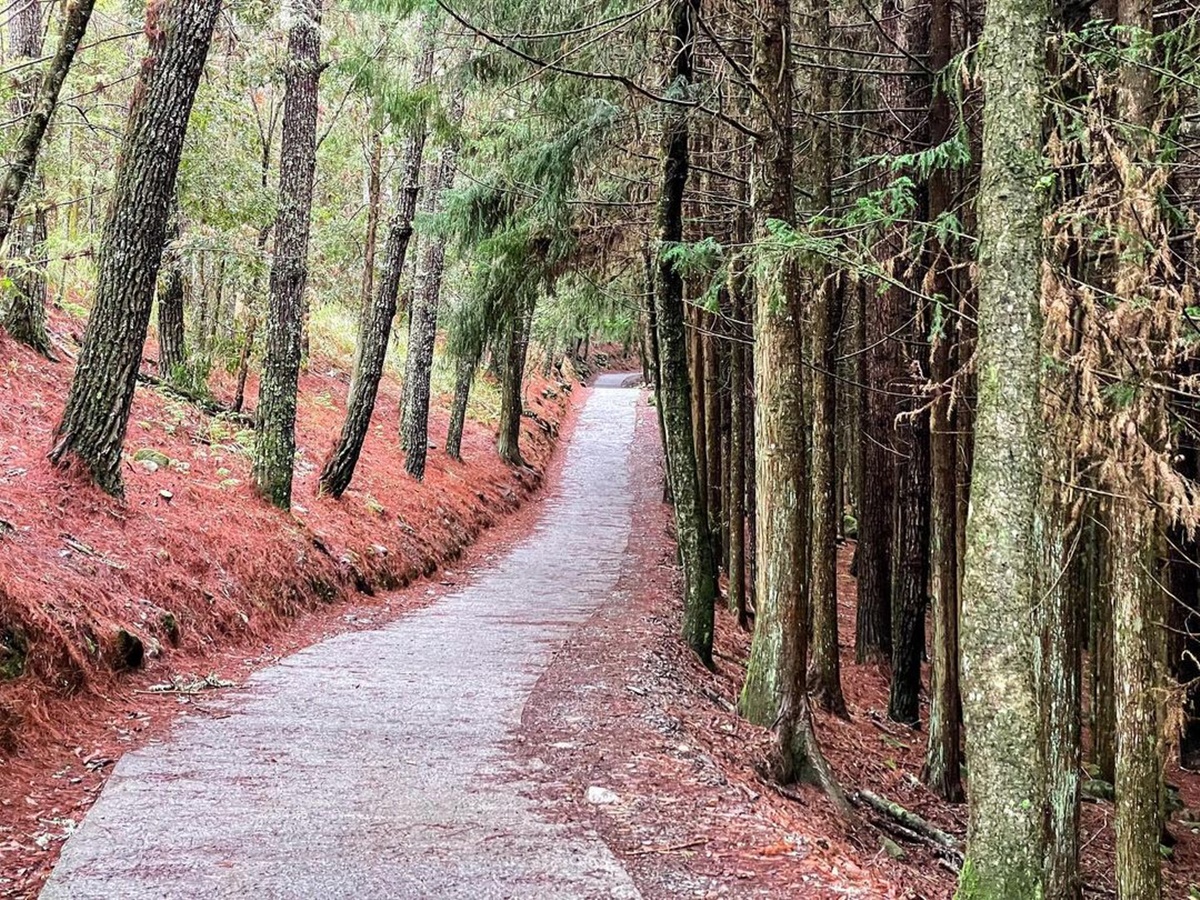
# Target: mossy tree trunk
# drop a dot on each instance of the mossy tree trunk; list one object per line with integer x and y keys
{"x": 92, "y": 429}
{"x": 275, "y": 451}
{"x": 1006, "y": 838}
{"x": 776, "y": 691}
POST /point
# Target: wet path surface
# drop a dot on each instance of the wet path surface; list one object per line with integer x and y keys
{"x": 373, "y": 765}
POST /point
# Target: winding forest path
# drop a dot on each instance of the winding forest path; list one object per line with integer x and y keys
{"x": 376, "y": 764}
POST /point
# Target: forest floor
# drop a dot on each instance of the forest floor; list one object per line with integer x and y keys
{"x": 627, "y": 709}
{"x": 212, "y": 583}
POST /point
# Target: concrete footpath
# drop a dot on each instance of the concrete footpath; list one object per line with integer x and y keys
{"x": 373, "y": 765}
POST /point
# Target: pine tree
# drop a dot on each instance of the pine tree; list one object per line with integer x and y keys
{"x": 1005, "y": 849}
{"x": 93, "y": 425}
{"x": 376, "y": 322}
{"x": 275, "y": 450}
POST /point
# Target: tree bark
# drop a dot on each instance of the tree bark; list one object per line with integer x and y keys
{"x": 1139, "y": 636}
{"x": 38, "y": 115}
{"x": 25, "y": 317}
{"x": 172, "y": 356}
{"x": 825, "y": 674}
{"x": 739, "y": 288}
{"x": 92, "y": 429}
{"x": 775, "y": 692}
{"x": 691, "y": 527}
{"x": 376, "y": 324}
{"x": 512, "y": 401}
{"x": 911, "y": 559}
{"x": 275, "y": 452}
{"x": 943, "y": 756}
{"x": 414, "y": 429}
{"x": 458, "y": 413}
{"x": 1006, "y": 839}
{"x": 371, "y": 239}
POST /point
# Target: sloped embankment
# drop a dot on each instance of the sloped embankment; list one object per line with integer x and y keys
{"x": 192, "y": 562}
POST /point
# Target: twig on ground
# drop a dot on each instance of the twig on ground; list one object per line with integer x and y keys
{"x": 690, "y": 845}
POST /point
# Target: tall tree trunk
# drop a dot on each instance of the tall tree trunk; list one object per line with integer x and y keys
{"x": 825, "y": 675}
{"x": 1139, "y": 636}
{"x": 243, "y": 369}
{"x": 38, "y": 115}
{"x": 93, "y": 425}
{"x": 656, "y": 366}
{"x": 873, "y": 629}
{"x": 775, "y": 692}
{"x": 25, "y": 317}
{"x": 275, "y": 452}
{"x": 712, "y": 431}
{"x": 458, "y": 413}
{"x": 943, "y": 757}
{"x": 738, "y": 290}
{"x": 376, "y": 324}
{"x": 1006, "y": 839}
{"x": 1060, "y": 676}
{"x": 414, "y": 429}
{"x": 172, "y": 357}
{"x": 911, "y": 560}
{"x": 691, "y": 527}
{"x": 512, "y": 386}
{"x": 371, "y": 239}
{"x": 1098, "y": 560}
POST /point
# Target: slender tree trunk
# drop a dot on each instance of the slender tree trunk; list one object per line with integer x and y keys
{"x": 371, "y": 239}
{"x": 656, "y": 367}
{"x": 1060, "y": 679}
{"x": 458, "y": 413}
{"x": 275, "y": 452}
{"x": 943, "y": 757}
{"x": 414, "y": 429}
{"x": 739, "y": 288}
{"x": 376, "y": 325}
{"x": 93, "y": 425}
{"x": 1006, "y": 839}
{"x": 699, "y": 567}
{"x": 825, "y": 675}
{"x": 37, "y": 117}
{"x": 912, "y": 564}
{"x": 243, "y": 370}
{"x": 712, "y": 431}
{"x": 1139, "y": 636}
{"x": 873, "y": 631}
{"x": 1103, "y": 693}
{"x": 25, "y": 317}
{"x": 512, "y": 401}
{"x": 172, "y": 356}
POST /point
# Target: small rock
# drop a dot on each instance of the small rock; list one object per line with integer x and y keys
{"x": 601, "y": 796}
{"x": 148, "y": 454}
{"x": 148, "y": 464}
{"x": 166, "y": 495}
